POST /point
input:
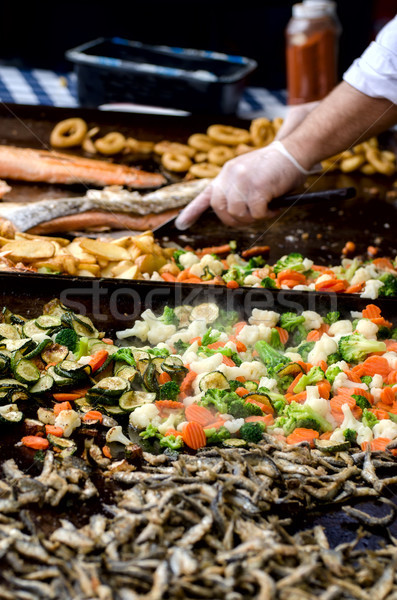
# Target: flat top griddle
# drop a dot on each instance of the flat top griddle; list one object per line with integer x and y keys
{"x": 317, "y": 232}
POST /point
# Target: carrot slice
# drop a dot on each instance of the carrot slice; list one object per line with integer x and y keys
{"x": 106, "y": 451}
{"x": 52, "y": 430}
{"x": 98, "y": 359}
{"x": 267, "y": 419}
{"x": 164, "y": 378}
{"x": 194, "y": 435}
{"x": 216, "y": 345}
{"x": 284, "y": 335}
{"x": 387, "y": 395}
{"x": 216, "y": 424}
{"x": 324, "y": 389}
{"x": 241, "y": 391}
{"x": 224, "y": 249}
{"x": 299, "y": 398}
{"x": 391, "y": 345}
{"x": 326, "y": 435}
{"x": 379, "y": 413}
{"x": 313, "y": 336}
{"x": 228, "y": 361}
{"x": 186, "y": 384}
{"x": 108, "y": 341}
{"x": 376, "y": 365}
{"x": 169, "y": 405}
{"x": 290, "y": 389}
{"x": 303, "y": 435}
{"x": 199, "y": 414}
{"x": 232, "y": 285}
{"x": 64, "y": 397}
{"x": 371, "y": 311}
{"x": 36, "y": 442}
{"x": 354, "y": 289}
{"x": 93, "y": 415}
{"x": 291, "y": 275}
{"x": 240, "y": 347}
{"x": 168, "y": 277}
{"x": 62, "y": 406}
{"x": 378, "y": 444}
{"x": 174, "y": 432}
{"x": 392, "y": 377}
{"x": 241, "y": 379}
{"x": 185, "y": 274}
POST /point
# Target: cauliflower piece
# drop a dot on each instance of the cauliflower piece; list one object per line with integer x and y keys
{"x": 265, "y": 317}
{"x": 197, "y": 328}
{"x": 69, "y": 420}
{"x": 252, "y": 280}
{"x": 377, "y": 382}
{"x": 364, "y": 434}
{"x": 249, "y": 335}
{"x": 391, "y": 358}
{"x": 342, "y": 380}
{"x": 214, "y": 266}
{"x": 252, "y": 370}
{"x": 385, "y": 429}
{"x": 312, "y": 320}
{"x": 340, "y": 328}
{"x": 234, "y": 259}
{"x": 294, "y": 356}
{"x": 360, "y": 276}
{"x": 139, "y": 330}
{"x": 371, "y": 289}
{"x": 188, "y": 260}
{"x": 231, "y": 346}
{"x": 264, "y": 332}
{"x": 268, "y": 383}
{"x": 307, "y": 264}
{"x": 160, "y": 332}
{"x": 321, "y": 350}
{"x": 367, "y": 329}
{"x": 303, "y": 288}
{"x": 147, "y": 414}
{"x": 156, "y": 276}
{"x": 170, "y": 423}
{"x": 234, "y": 425}
{"x": 342, "y": 365}
{"x": 356, "y": 314}
{"x": 376, "y": 393}
{"x": 207, "y": 365}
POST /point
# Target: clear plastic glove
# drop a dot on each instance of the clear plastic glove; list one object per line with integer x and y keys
{"x": 295, "y": 116}
{"x": 240, "y": 194}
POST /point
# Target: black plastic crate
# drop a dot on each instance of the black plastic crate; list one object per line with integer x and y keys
{"x": 199, "y": 81}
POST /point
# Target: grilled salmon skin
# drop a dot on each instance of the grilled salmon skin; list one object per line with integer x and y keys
{"x": 26, "y": 164}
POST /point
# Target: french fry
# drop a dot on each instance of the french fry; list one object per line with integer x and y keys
{"x": 104, "y": 250}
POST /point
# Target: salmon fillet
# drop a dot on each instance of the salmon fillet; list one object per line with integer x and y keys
{"x": 26, "y": 164}
{"x": 91, "y": 219}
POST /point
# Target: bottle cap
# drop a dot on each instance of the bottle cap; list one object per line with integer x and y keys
{"x": 310, "y": 11}
{"x": 329, "y": 5}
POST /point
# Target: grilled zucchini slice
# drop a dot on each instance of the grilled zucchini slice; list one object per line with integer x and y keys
{"x": 216, "y": 379}
{"x": 131, "y": 400}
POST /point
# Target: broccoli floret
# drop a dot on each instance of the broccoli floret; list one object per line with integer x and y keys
{"x": 240, "y": 409}
{"x": 333, "y": 358}
{"x": 283, "y": 383}
{"x": 177, "y": 254}
{"x": 271, "y": 358}
{"x": 125, "y": 355}
{"x": 252, "y": 432}
{"x": 390, "y": 285}
{"x": 169, "y": 391}
{"x": 383, "y": 333}
{"x": 150, "y": 432}
{"x": 236, "y": 273}
{"x": 315, "y": 375}
{"x": 234, "y": 384}
{"x": 268, "y": 283}
{"x": 181, "y": 347}
{"x": 332, "y": 372}
{"x": 82, "y": 348}
{"x": 169, "y": 317}
{"x": 355, "y": 347}
{"x": 350, "y": 435}
{"x": 332, "y": 317}
{"x": 209, "y": 337}
{"x": 67, "y": 337}
{"x": 301, "y": 415}
{"x": 304, "y": 350}
{"x": 290, "y": 321}
{"x": 255, "y": 262}
{"x": 368, "y": 418}
{"x": 226, "y": 320}
{"x": 171, "y": 441}
{"x": 275, "y": 341}
{"x": 277, "y": 401}
{"x": 292, "y": 261}
{"x": 393, "y": 334}
{"x": 216, "y": 436}
{"x": 361, "y": 401}
{"x": 158, "y": 351}
{"x": 366, "y": 379}
{"x": 215, "y": 398}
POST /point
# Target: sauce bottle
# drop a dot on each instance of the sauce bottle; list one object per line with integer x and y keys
{"x": 312, "y": 37}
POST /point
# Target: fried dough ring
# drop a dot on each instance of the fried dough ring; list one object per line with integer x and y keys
{"x": 377, "y": 159}
{"x": 218, "y": 155}
{"x": 174, "y": 147}
{"x": 138, "y": 146}
{"x": 178, "y": 163}
{"x": 69, "y": 132}
{"x": 262, "y": 132}
{"x": 204, "y": 170}
{"x": 111, "y": 143}
{"x": 228, "y": 135}
{"x": 201, "y": 141}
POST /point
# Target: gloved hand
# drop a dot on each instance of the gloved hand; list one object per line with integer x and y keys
{"x": 240, "y": 194}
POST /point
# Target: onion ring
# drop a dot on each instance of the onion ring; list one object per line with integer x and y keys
{"x": 87, "y": 143}
{"x": 368, "y": 169}
{"x": 204, "y": 170}
{"x": 111, "y": 143}
{"x": 178, "y": 163}
{"x": 173, "y": 147}
{"x": 67, "y": 133}
{"x": 138, "y": 146}
{"x": 243, "y": 149}
{"x": 347, "y": 165}
{"x": 220, "y": 154}
{"x": 377, "y": 159}
{"x": 228, "y": 135}
{"x": 262, "y": 132}
{"x": 200, "y": 157}
{"x": 201, "y": 141}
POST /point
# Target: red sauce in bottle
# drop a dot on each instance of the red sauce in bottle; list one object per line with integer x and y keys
{"x": 312, "y": 38}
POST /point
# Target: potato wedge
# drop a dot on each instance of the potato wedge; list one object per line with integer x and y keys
{"x": 131, "y": 273}
{"x": 148, "y": 263}
{"x": 104, "y": 250}
{"x": 92, "y": 268}
{"x": 144, "y": 243}
{"x": 77, "y": 251}
{"x": 28, "y": 250}
{"x": 123, "y": 265}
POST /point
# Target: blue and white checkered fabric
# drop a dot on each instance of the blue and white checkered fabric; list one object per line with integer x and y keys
{"x": 38, "y": 86}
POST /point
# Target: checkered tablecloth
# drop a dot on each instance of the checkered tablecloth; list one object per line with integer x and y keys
{"x": 38, "y": 86}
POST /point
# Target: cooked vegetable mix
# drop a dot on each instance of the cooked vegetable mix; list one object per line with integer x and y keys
{"x": 196, "y": 377}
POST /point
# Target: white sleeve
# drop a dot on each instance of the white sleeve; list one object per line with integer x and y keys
{"x": 375, "y": 72}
